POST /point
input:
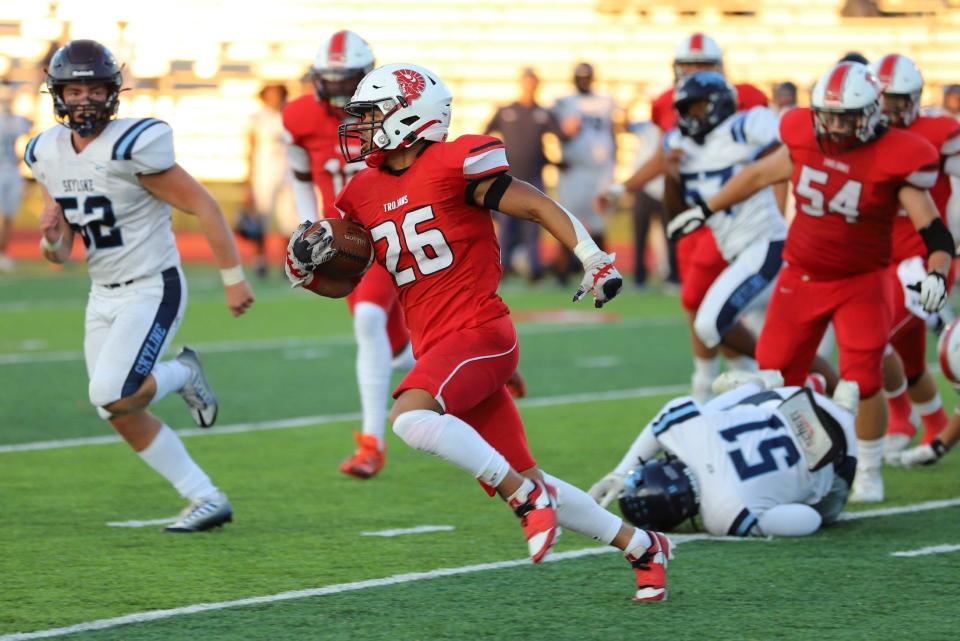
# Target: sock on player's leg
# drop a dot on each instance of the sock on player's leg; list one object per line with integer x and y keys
{"x": 169, "y": 458}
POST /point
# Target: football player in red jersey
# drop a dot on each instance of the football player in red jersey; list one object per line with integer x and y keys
{"x": 698, "y": 258}
{"x": 907, "y": 381}
{"x": 850, "y": 176}
{"x": 311, "y": 123}
{"x": 427, "y": 205}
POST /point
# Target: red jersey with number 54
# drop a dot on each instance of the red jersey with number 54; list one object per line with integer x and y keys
{"x": 442, "y": 252}
{"x": 312, "y": 125}
{"x": 846, "y": 204}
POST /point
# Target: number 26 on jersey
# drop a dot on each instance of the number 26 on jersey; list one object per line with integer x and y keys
{"x": 429, "y": 247}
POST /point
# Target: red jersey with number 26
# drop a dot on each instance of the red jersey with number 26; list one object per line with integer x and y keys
{"x": 846, "y": 204}
{"x": 312, "y": 125}
{"x": 443, "y": 253}
{"x": 943, "y": 132}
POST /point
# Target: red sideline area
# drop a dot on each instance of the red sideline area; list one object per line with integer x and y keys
{"x": 24, "y": 245}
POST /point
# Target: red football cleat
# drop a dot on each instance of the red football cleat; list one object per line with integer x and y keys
{"x": 538, "y": 516}
{"x": 651, "y": 568}
{"x": 367, "y": 460}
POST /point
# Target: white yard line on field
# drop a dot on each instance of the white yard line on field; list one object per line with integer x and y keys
{"x": 155, "y": 615}
{"x": 903, "y": 509}
{"x": 933, "y": 549}
{"x": 524, "y": 329}
{"x": 147, "y": 523}
{"x": 142, "y": 617}
{"x": 420, "y": 529}
{"x": 321, "y": 419}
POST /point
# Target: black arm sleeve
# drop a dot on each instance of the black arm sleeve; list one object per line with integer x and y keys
{"x": 491, "y": 199}
{"x": 937, "y": 237}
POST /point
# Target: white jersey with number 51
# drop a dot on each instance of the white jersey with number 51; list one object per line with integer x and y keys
{"x": 126, "y": 230}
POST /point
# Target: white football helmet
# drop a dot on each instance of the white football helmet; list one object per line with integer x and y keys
{"x": 846, "y": 107}
{"x": 697, "y": 49}
{"x": 899, "y": 76}
{"x": 339, "y": 65}
{"x": 948, "y": 350}
{"x": 397, "y": 105}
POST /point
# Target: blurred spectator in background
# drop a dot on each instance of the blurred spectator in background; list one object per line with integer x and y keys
{"x": 647, "y": 204}
{"x": 12, "y": 127}
{"x": 268, "y": 183}
{"x": 521, "y": 125}
{"x": 589, "y": 153}
{"x": 784, "y": 97}
{"x": 951, "y": 100}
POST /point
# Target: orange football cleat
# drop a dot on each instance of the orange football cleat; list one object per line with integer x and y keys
{"x": 516, "y": 385}
{"x": 367, "y": 460}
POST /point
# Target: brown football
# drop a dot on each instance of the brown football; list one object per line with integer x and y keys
{"x": 354, "y": 247}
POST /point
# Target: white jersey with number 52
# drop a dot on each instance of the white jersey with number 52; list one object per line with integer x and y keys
{"x": 126, "y": 230}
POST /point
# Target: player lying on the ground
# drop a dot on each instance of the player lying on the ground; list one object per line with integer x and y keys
{"x": 929, "y": 453}
{"x": 759, "y": 459}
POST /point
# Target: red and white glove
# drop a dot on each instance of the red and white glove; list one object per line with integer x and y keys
{"x": 601, "y": 278}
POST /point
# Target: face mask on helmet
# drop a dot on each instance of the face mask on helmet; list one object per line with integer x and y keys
{"x": 336, "y": 86}
{"x": 703, "y": 101}
{"x": 365, "y": 139}
{"x": 900, "y": 110}
{"x": 839, "y": 131}
{"x": 660, "y": 495}
{"x": 84, "y": 80}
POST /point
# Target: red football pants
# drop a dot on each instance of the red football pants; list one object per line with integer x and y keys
{"x": 699, "y": 263}
{"x": 800, "y": 310}
{"x": 467, "y": 372}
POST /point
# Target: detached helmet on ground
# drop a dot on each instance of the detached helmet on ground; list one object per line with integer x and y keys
{"x": 342, "y": 61}
{"x": 948, "y": 351}
{"x": 397, "y": 105}
{"x": 847, "y": 94}
{"x": 660, "y": 495}
{"x": 703, "y": 86}
{"x": 84, "y": 62}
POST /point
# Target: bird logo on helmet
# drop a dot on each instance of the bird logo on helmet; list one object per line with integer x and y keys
{"x": 84, "y": 62}
{"x": 659, "y": 495}
{"x": 396, "y": 106}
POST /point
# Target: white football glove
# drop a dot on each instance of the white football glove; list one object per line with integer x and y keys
{"x": 766, "y": 379}
{"x": 601, "y": 278}
{"x": 614, "y": 192}
{"x": 933, "y": 292}
{"x": 313, "y": 249}
{"x": 607, "y": 489}
{"x": 686, "y": 222}
{"x": 923, "y": 454}
{"x": 298, "y": 273}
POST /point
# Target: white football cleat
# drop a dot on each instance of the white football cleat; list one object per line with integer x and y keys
{"x": 203, "y": 514}
{"x": 867, "y": 486}
{"x": 893, "y": 447}
{"x": 198, "y": 394}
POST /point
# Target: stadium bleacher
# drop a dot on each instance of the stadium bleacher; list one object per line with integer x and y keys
{"x": 202, "y": 75}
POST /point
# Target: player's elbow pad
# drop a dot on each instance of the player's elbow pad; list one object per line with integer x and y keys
{"x": 789, "y": 519}
{"x": 937, "y": 237}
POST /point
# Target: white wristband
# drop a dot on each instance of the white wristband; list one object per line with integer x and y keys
{"x": 46, "y": 245}
{"x": 585, "y": 250}
{"x": 232, "y": 275}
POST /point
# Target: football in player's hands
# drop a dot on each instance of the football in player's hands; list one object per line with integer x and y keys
{"x": 334, "y": 248}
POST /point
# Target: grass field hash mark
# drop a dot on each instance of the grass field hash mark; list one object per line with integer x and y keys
{"x": 420, "y": 529}
{"x": 933, "y": 549}
{"x": 143, "y": 617}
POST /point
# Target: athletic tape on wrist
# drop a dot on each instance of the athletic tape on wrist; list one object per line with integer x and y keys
{"x": 232, "y": 275}
{"x": 46, "y": 245}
